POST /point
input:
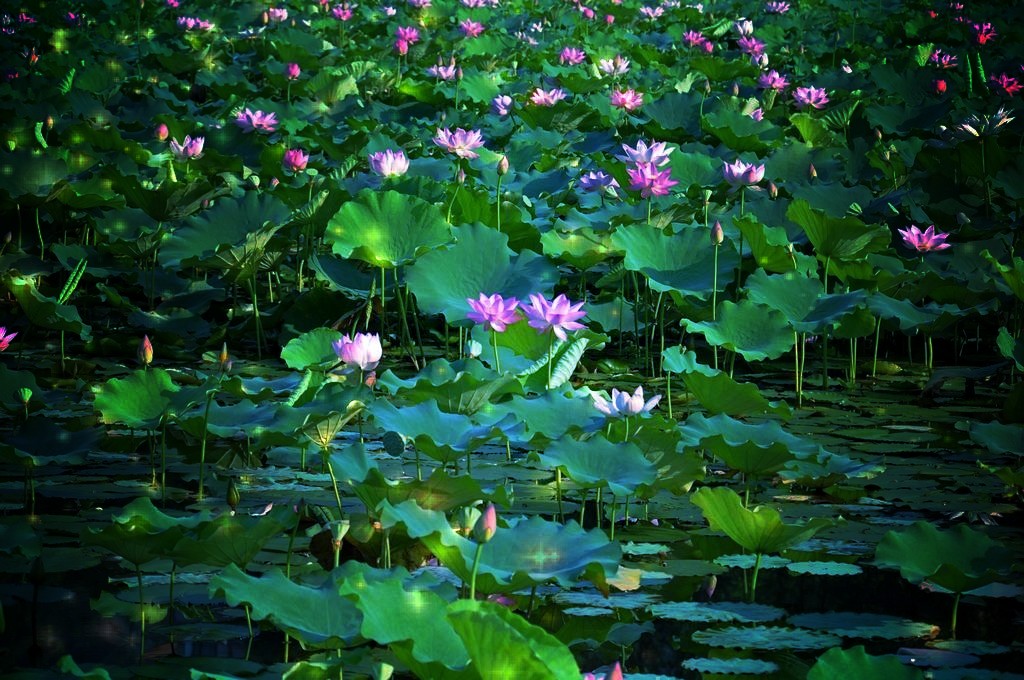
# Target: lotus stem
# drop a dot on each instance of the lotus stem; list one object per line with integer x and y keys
{"x": 142, "y": 609}
{"x": 874, "y": 361}
{"x": 42, "y": 243}
{"x": 163, "y": 461}
{"x": 714, "y": 301}
{"x": 386, "y": 549}
{"x": 497, "y": 359}
{"x": 248, "y": 619}
{"x": 558, "y": 493}
{"x": 583, "y": 505}
{"x": 952, "y": 621}
{"x": 334, "y": 480}
{"x": 476, "y": 568}
{"x": 649, "y": 201}
{"x": 551, "y": 350}
{"x": 753, "y": 578}
{"x": 668, "y": 394}
{"x": 497, "y": 195}
{"x": 202, "y": 444}
{"x": 170, "y": 595}
{"x": 614, "y": 512}
{"x": 597, "y": 508}
{"x": 256, "y": 318}
{"x": 796, "y": 369}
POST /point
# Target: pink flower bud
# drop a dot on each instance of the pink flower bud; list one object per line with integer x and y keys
{"x": 161, "y": 132}
{"x": 717, "y": 235}
{"x": 145, "y": 351}
{"x": 812, "y": 172}
{"x": 503, "y": 165}
{"x": 609, "y": 19}
{"x": 487, "y": 525}
{"x": 293, "y": 71}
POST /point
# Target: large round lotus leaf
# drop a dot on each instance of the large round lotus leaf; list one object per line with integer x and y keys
{"x": 980, "y": 647}
{"x": 140, "y": 400}
{"x": 769, "y": 246}
{"x": 312, "y": 349}
{"x": 864, "y": 625}
{"x": 856, "y": 663}
{"x": 700, "y": 431}
{"x": 316, "y": 616}
{"x": 380, "y": 593}
{"x": 479, "y": 261}
{"x": 142, "y": 533}
{"x": 753, "y": 331}
{"x": 907, "y": 314}
{"x": 438, "y": 434}
{"x": 528, "y": 552}
{"x": 31, "y": 173}
{"x": 502, "y": 644}
{"x": 716, "y": 391}
{"x": 736, "y": 666}
{"x": 717, "y": 612}
{"x": 995, "y": 436}
{"x": 765, "y": 637}
{"x": 461, "y": 387}
{"x": 682, "y": 262}
{"x": 838, "y": 238}
{"x": 387, "y": 229}
{"x": 748, "y": 561}
{"x": 43, "y": 311}
{"x": 1013, "y": 276}
{"x": 227, "y": 223}
{"x": 959, "y": 559}
{"x": 760, "y": 530}
{"x": 552, "y": 414}
{"x": 826, "y": 469}
{"x": 792, "y": 294}
{"x": 614, "y": 601}
{"x": 231, "y": 539}
{"x": 596, "y": 461}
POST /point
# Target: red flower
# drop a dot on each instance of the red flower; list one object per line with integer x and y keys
{"x": 940, "y": 86}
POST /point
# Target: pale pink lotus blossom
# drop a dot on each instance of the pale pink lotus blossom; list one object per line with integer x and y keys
{"x": 389, "y": 163}
{"x": 740, "y": 174}
{"x": 924, "y": 241}
{"x": 810, "y": 96}
{"x": 461, "y": 142}
{"x": 250, "y": 120}
{"x": 493, "y": 311}
{"x": 189, "y": 149}
{"x": 617, "y": 66}
{"x": 657, "y": 153}
{"x": 649, "y": 180}
{"x": 624, "y": 404}
{"x": 470, "y": 28}
{"x": 630, "y": 100}
{"x": 363, "y": 350}
{"x": 542, "y": 97}
{"x": 571, "y": 56}
{"x": 598, "y": 181}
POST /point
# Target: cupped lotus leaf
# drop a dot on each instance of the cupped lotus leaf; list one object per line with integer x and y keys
{"x": 458, "y": 387}
{"x": 140, "y": 534}
{"x": 682, "y": 261}
{"x": 716, "y": 391}
{"x": 906, "y": 313}
{"x": 108, "y": 605}
{"x": 997, "y": 437}
{"x": 387, "y": 229}
{"x": 596, "y": 461}
{"x": 479, "y": 261}
{"x": 857, "y": 663}
{"x": 959, "y": 559}
{"x": 730, "y": 666}
{"x": 838, "y": 238}
{"x": 765, "y": 638}
{"x": 312, "y": 349}
{"x": 677, "y": 111}
{"x": 231, "y": 538}
{"x": 760, "y": 530}
{"x": 11, "y": 384}
{"x": 755, "y": 332}
{"x": 528, "y": 552}
{"x": 770, "y": 247}
{"x": 316, "y": 616}
{"x": 1011, "y": 348}
{"x": 67, "y": 665}
{"x": 228, "y": 223}
{"x": 142, "y": 399}
{"x": 689, "y": 169}
{"x": 552, "y": 414}
{"x": 379, "y": 594}
{"x": 582, "y": 248}
{"x": 718, "y": 612}
{"x": 701, "y": 431}
{"x": 864, "y": 625}
{"x": 44, "y": 311}
{"x": 503, "y": 644}
{"x": 1013, "y": 274}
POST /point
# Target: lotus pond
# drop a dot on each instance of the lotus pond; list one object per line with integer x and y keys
{"x": 505, "y": 339}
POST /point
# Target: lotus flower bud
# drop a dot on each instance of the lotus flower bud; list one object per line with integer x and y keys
{"x": 233, "y": 496}
{"x": 717, "y": 235}
{"x": 962, "y": 219}
{"x": 162, "y": 133}
{"x": 773, "y": 190}
{"x": 878, "y": 134}
{"x": 25, "y": 394}
{"x": 224, "y": 359}
{"x": 503, "y": 165}
{"x": 265, "y": 18}
{"x": 609, "y": 19}
{"x": 293, "y": 71}
{"x": 735, "y": 89}
{"x": 940, "y": 86}
{"x": 473, "y": 349}
{"x": 812, "y": 172}
{"x": 145, "y": 351}
{"x": 615, "y": 673}
{"x": 461, "y": 176}
{"x": 484, "y": 529}
{"x": 49, "y": 122}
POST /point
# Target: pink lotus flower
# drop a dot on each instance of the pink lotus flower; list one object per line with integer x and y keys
{"x": 772, "y": 80}
{"x": 656, "y": 153}
{"x": 652, "y": 13}
{"x": 694, "y": 38}
{"x": 194, "y": 24}
{"x": 1009, "y": 85}
{"x": 250, "y": 120}
{"x": 776, "y": 7}
{"x": 277, "y": 14}
{"x": 470, "y": 28}
{"x": 740, "y": 174}
{"x": 5, "y": 338}
{"x": 292, "y": 71}
{"x": 401, "y": 46}
{"x": 541, "y": 97}
{"x": 649, "y": 181}
{"x": 493, "y": 311}
{"x": 572, "y": 56}
{"x": 161, "y": 133}
{"x": 144, "y": 351}
{"x": 408, "y": 33}
{"x": 487, "y": 525}
{"x": 630, "y": 100}
{"x": 461, "y": 142}
{"x": 614, "y": 67}
{"x": 389, "y": 163}
{"x": 983, "y": 33}
{"x": 343, "y": 12}
{"x": 188, "y": 149}
{"x": 295, "y": 160}
{"x": 363, "y": 350}
{"x": 624, "y": 404}
{"x": 593, "y": 182}
{"x": 942, "y": 60}
{"x": 750, "y": 45}
{"x": 924, "y": 241}
{"x": 757, "y": 114}
{"x": 443, "y": 72}
{"x": 614, "y": 674}
{"x": 558, "y": 315}
{"x": 502, "y": 105}
{"x": 810, "y": 96}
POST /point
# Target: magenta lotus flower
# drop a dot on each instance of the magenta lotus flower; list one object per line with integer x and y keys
{"x": 250, "y": 120}
{"x": 277, "y": 14}
{"x": 389, "y": 163}
{"x": 614, "y": 67}
{"x": 772, "y": 80}
{"x": 295, "y": 160}
{"x": 593, "y": 182}
{"x": 740, "y": 174}
{"x": 292, "y": 71}
{"x": 810, "y": 96}
{"x": 5, "y": 338}
{"x": 776, "y": 7}
{"x": 943, "y": 60}
{"x": 363, "y": 351}
{"x": 470, "y": 28}
{"x": 649, "y": 181}
{"x": 343, "y": 12}
{"x": 624, "y": 404}
{"x": 162, "y": 132}
{"x": 443, "y": 72}
{"x": 924, "y": 241}
{"x": 558, "y": 315}
{"x": 750, "y": 45}
{"x": 630, "y": 100}
{"x": 410, "y": 34}
{"x": 502, "y": 105}
{"x": 461, "y": 142}
{"x": 195, "y": 24}
{"x": 983, "y": 33}
{"x": 572, "y": 56}
{"x": 542, "y": 97}
{"x": 493, "y": 311}
{"x": 694, "y": 38}
{"x": 757, "y": 114}
{"x": 657, "y": 153}
{"x": 188, "y": 149}
{"x": 1009, "y": 85}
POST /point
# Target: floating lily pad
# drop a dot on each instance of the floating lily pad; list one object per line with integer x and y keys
{"x": 765, "y": 638}
{"x": 735, "y": 666}
{"x": 824, "y": 568}
{"x": 748, "y": 561}
{"x": 865, "y": 626}
{"x": 717, "y": 612}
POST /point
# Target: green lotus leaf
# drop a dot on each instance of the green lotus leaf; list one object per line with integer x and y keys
{"x": 681, "y": 261}
{"x": 316, "y": 616}
{"x": 228, "y": 223}
{"x": 387, "y": 229}
{"x": 552, "y": 414}
{"x": 748, "y": 561}
{"x": 730, "y": 666}
{"x": 68, "y": 665}
{"x": 856, "y": 663}
{"x": 760, "y": 530}
{"x": 716, "y": 391}
{"x": 701, "y": 431}
{"x": 595, "y": 599}
{"x": 1013, "y": 274}
{"x": 31, "y": 173}
{"x": 738, "y": 131}
{"x": 770, "y": 247}
{"x": 232, "y": 538}
{"x": 503, "y": 644}
{"x": 528, "y": 552}
{"x": 717, "y": 612}
{"x": 863, "y": 625}
{"x": 479, "y": 261}
{"x": 379, "y": 594}
{"x": 838, "y": 238}
{"x": 753, "y": 331}
{"x": 582, "y": 248}
{"x": 959, "y": 559}
{"x": 824, "y": 568}
{"x": 834, "y": 198}
{"x": 677, "y": 111}
{"x": 312, "y": 349}
{"x": 108, "y": 605}
{"x": 44, "y": 311}
{"x": 695, "y": 168}
{"x": 142, "y": 399}
{"x": 1011, "y": 348}
{"x": 995, "y": 436}
{"x": 459, "y": 387}
{"x": 826, "y": 468}
{"x": 907, "y": 314}
{"x": 793, "y": 294}
{"x": 141, "y": 533}
{"x": 765, "y": 638}
{"x": 520, "y": 347}
{"x": 565, "y": 358}
{"x": 596, "y": 461}
{"x": 718, "y": 69}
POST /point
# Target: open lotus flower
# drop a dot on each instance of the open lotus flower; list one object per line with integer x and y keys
{"x": 188, "y": 149}
{"x": 389, "y": 163}
{"x": 924, "y": 241}
{"x": 740, "y": 174}
{"x": 461, "y": 142}
{"x": 558, "y": 315}
{"x": 5, "y": 338}
{"x": 624, "y": 404}
{"x": 493, "y": 311}
{"x": 250, "y": 120}
{"x": 363, "y": 350}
